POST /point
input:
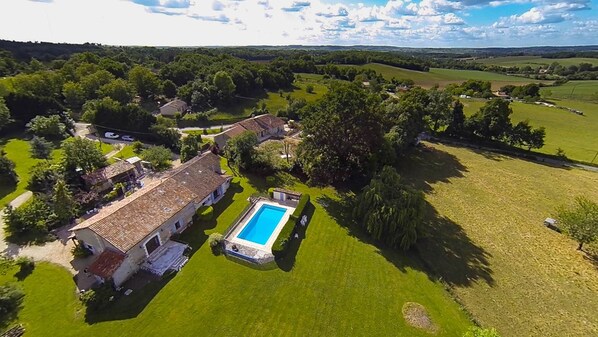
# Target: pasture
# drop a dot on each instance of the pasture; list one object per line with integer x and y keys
{"x": 488, "y": 241}
{"x": 534, "y": 61}
{"x": 273, "y": 100}
{"x": 444, "y": 77}
{"x": 334, "y": 282}
{"x": 573, "y": 90}
{"x": 573, "y": 133}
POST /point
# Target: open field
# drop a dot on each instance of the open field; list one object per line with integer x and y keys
{"x": 574, "y": 90}
{"x": 274, "y": 101}
{"x": 336, "y": 284}
{"x": 489, "y": 244}
{"x": 18, "y": 150}
{"x": 444, "y": 77}
{"x": 534, "y": 61}
{"x": 575, "y": 134}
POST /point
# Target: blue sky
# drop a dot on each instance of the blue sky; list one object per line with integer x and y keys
{"x": 408, "y": 23}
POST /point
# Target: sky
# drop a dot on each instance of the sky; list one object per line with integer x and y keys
{"x": 403, "y": 23}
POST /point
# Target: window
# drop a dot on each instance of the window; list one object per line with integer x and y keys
{"x": 216, "y": 194}
{"x": 152, "y": 244}
{"x": 177, "y": 225}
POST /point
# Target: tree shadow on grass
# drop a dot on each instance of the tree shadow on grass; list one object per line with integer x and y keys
{"x": 287, "y": 262}
{"x": 429, "y": 165}
{"x": 127, "y": 307}
{"x": 445, "y": 252}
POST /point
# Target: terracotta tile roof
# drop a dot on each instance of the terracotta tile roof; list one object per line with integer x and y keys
{"x": 269, "y": 121}
{"x": 106, "y": 264}
{"x": 173, "y": 106}
{"x": 127, "y": 222}
{"x": 108, "y": 172}
{"x": 234, "y": 131}
{"x": 251, "y": 124}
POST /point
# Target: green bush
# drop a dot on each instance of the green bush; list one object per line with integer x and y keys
{"x": 205, "y": 213}
{"x": 98, "y": 298}
{"x": 215, "y": 241}
{"x": 271, "y": 192}
{"x": 270, "y": 180}
{"x": 79, "y": 251}
{"x": 281, "y": 243}
{"x": 303, "y": 201}
{"x": 25, "y": 263}
{"x": 111, "y": 195}
{"x": 11, "y": 297}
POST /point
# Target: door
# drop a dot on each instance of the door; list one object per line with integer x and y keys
{"x": 152, "y": 244}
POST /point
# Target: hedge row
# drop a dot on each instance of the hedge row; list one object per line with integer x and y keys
{"x": 284, "y": 237}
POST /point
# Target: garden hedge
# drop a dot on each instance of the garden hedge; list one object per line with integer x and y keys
{"x": 284, "y": 237}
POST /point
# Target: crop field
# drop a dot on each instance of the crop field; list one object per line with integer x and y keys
{"x": 489, "y": 244}
{"x": 274, "y": 101}
{"x": 573, "y": 90}
{"x": 534, "y": 61}
{"x": 573, "y": 133}
{"x": 444, "y": 77}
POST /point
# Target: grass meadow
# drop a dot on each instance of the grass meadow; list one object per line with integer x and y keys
{"x": 444, "y": 77}
{"x": 573, "y": 133}
{"x": 334, "y": 282}
{"x": 488, "y": 241}
{"x": 573, "y": 90}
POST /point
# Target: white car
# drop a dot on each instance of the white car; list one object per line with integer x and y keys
{"x": 128, "y": 138}
{"x": 111, "y": 135}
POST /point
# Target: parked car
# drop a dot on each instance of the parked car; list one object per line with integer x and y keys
{"x": 128, "y": 138}
{"x": 111, "y": 135}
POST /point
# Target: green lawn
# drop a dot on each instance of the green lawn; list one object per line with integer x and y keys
{"x": 338, "y": 284}
{"x": 124, "y": 153}
{"x": 574, "y": 90}
{"x": 18, "y": 150}
{"x": 489, "y": 243}
{"x": 534, "y": 61}
{"x": 274, "y": 101}
{"x": 573, "y": 133}
{"x": 443, "y": 77}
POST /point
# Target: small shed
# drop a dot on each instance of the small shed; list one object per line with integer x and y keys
{"x": 285, "y": 195}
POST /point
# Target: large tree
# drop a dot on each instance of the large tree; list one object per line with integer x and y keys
{"x": 158, "y": 156}
{"x": 50, "y": 126}
{"x": 74, "y": 95}
{"x": 522, "y": 134}
{"x": 41, "y": 148}
{"x": 580, "y": 221}
{"x": 43, "y": 176}
{"x": 492, "y": 121}
{"x": 224, "y": 83}
{"x": 118, "y": 89}
{"x": 82, "y": 153}
{"x": 342, "y": 134}
{"x": 145, "y": 82}
{"x": 439, "y": 108}
{"x": 64, "y": 205}
{"x": 240, "y": 150}
{"x": 407, "y": 117}
{"x": 456, "y": 122}
{"x": 190, "y": 147}
{"x": 4, "y": 114}
{"x": 7, "y": 170}
{"x": 390, "y": 211}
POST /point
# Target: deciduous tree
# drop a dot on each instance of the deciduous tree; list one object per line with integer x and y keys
{"x": 158, "y": 156}
{"x": 82, "y": 153}
{"x": 580, "y": 221}
{"x": 63, "y": 203}
{"x": 240, "y": 150}
{"x": 41, "y": 148}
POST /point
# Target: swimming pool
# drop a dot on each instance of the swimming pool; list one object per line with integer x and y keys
{"x": 262, "y": 224}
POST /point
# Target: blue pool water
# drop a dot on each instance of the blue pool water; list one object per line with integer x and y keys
{"x": 262, "y": 224}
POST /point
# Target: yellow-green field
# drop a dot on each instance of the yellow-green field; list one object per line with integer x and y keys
{"x": 574, "y": 90}
{"x": 444, "y": 77}
{"x": 573, "y": 133}
{"x": 534, "y": 61}
{"x": 274, "y": 101}
{"x": 490, "y": 245}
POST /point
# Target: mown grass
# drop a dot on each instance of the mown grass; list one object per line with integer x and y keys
{"x": 534, "y": 61}
{"x": 337, "y": 284}
{"x": 574, "y": 90}
{"x": 573, "y": 133}
{"x": 515, "y": 274}
{"x": 274, "y": 101}
{"x": 18, "y": 149}
{"x": 444, "y": 77}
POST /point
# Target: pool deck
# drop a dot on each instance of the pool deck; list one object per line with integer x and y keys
{"x": 233, "y": 238}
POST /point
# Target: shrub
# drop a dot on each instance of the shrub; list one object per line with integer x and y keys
{"x": 303, "y": 201}
{"x": 309, "y": 88}
{"x": 11, "y": 297}
{"x": 79, "y": 251}
{"x": 111, "y": 195}
{"x": 270, "y": 180}
{"x": 284, "y": 237}
{"x": 25, "y": 263}
{"x": 99, "y": 297}
{"x": 119, "y": 188}
{"x": 205, "y": 213}
{"x": 215, "y": 240}
{"x": 271, "y": 192}
{"x": 137, "y": 147}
